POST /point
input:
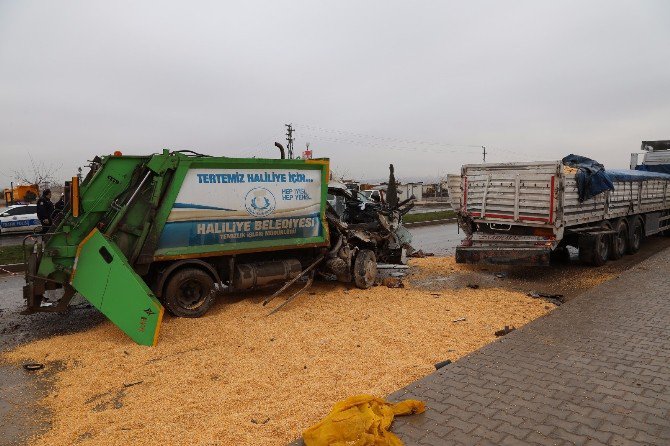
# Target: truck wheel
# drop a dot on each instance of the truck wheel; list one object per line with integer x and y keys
{"x": 619, "y": 244}
{"x": 594, "y": 249}
{"x": 365, "y": 269}
{"x": 189, "y": 293}
{"x": 636, "y": 236}
{"x": 560, "y": 255}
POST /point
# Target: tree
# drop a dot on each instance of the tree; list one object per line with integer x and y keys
{"x": 39, "y": 172}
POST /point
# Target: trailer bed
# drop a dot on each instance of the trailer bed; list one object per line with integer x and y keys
{"x": 530, "y": 207}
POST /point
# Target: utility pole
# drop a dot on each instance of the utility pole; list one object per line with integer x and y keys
{"x": 484, "y": 152}
{"x": 289, "y": 140}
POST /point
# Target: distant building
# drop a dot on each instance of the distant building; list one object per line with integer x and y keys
{"x": 409, "y": 189}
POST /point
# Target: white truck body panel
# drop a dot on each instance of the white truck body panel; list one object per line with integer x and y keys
{"x": 543, "y": 197}
{"x": 545, "y": 194}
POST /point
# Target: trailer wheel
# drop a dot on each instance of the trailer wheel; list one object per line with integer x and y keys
{"x": 594, "y": 249}
{"x": 189, "y": 293}
{"x": 365, "y": 269}
{"x": 619, "y": 245}
{"x": 560, "y": 255}
{"x": 636, "y": 236}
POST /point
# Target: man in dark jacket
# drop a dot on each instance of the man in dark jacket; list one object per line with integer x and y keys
{"x": 45, "y": 209}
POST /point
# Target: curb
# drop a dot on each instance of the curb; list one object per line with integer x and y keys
{"x": 12, "y": 268}
{"x": 418, "y": 224}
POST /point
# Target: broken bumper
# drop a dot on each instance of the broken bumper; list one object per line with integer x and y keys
{"x": 503, "y": 256}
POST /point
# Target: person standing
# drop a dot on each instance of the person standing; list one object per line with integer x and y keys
{"x": 45, "y": 209}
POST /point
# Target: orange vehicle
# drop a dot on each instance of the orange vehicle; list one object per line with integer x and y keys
{"x": 25, "y": 194}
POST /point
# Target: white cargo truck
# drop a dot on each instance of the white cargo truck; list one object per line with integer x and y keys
{"x": 522, "y": 213}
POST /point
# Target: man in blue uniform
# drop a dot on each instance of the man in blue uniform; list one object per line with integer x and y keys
{"x": 45, "y": 209}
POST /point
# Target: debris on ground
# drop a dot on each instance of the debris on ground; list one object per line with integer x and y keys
{"x": 392, "y": 282}
{"x": 504, "y": 331}
{"x": 536, "y": 295}
{"x": 436, "y": 294}
{"x": 500, "y": 275}
{"x": 474, "y": 286}
{"x": 441, "y": 364}
{"x": 360, "y": 420}
{"x": 420, "y": 254}
{"x": 302, "y": 366}
{"x": 556, "y": 299}
{"x": 393, "y": 266}
{"x": 33, "y": 366}
{"x": 460, "y": 319}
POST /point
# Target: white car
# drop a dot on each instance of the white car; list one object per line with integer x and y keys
{"x": 19, "y": 218}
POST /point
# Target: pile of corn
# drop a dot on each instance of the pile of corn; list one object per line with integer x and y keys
{"x": 239, "y": 377}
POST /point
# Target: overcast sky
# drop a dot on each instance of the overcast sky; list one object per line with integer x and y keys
{"x": 419, "y": 84}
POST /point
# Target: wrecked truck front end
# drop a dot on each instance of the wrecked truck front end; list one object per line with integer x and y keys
{"x": 371, "y": 225}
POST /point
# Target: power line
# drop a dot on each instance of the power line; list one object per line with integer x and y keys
{"x": 400, "y": 140}
{"x": 384, "y": 146}
{"x": 360, "y": 138}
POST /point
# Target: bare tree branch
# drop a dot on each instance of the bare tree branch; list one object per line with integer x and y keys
{"x": 39, "y": 172}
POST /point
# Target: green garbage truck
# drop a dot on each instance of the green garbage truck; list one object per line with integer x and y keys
{"x": 141, "y": 234}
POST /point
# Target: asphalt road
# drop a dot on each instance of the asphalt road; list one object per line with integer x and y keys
{"x": 12, "y": 239}
{"x": 441, "y": 240}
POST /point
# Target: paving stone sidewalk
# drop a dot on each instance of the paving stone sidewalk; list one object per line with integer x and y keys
{"x": 595, "y": 371}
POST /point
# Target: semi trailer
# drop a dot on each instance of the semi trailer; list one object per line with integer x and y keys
{"x": 141, "y": 234}
{"x": 526, "y": 213}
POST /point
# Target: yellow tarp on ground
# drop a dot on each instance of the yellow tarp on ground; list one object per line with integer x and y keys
{"x": 361, "y": 420}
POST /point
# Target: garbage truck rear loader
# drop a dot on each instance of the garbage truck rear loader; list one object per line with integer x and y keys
{"x": 144, "y": 233}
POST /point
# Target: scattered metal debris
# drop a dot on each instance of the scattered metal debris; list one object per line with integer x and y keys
{"x": 505, "y": 330}
{"x": 33, "y": 366}
{"x": 460, "y": 319}
{"x": 253, "y": 420}
{"x": 420, "y": 254}
{"x": 132, "y": 384}
{"x": 393, "y": 282}
{"x": 441, "y": 364}
{"x": 556, "y": 299}
{"x": 366, "y": 236}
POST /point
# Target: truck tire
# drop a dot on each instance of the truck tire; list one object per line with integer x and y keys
{"x": 560, "y": 255}
{"x": 189, "y": 293}
{"x": 636, "y": 236}
{"x": 365, "y": 269}
{"x": 594, "y": 249}
{"x": 619, "y": 240}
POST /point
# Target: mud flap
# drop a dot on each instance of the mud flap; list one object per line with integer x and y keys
{"x": 103, "y": 276}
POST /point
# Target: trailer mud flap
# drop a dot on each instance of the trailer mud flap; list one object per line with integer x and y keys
{"x": 103, "y": 276}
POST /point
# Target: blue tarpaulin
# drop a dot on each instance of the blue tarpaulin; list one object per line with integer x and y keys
{"x": 635, "y": 175}
{"x": 593, "y": 179}
{"x": 660, "y": 168}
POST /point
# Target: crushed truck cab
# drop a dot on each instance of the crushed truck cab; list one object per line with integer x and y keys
{"x": 171, "y": 231}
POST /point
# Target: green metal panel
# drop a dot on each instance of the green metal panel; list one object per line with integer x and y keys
{"x": 103, "y": 276}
